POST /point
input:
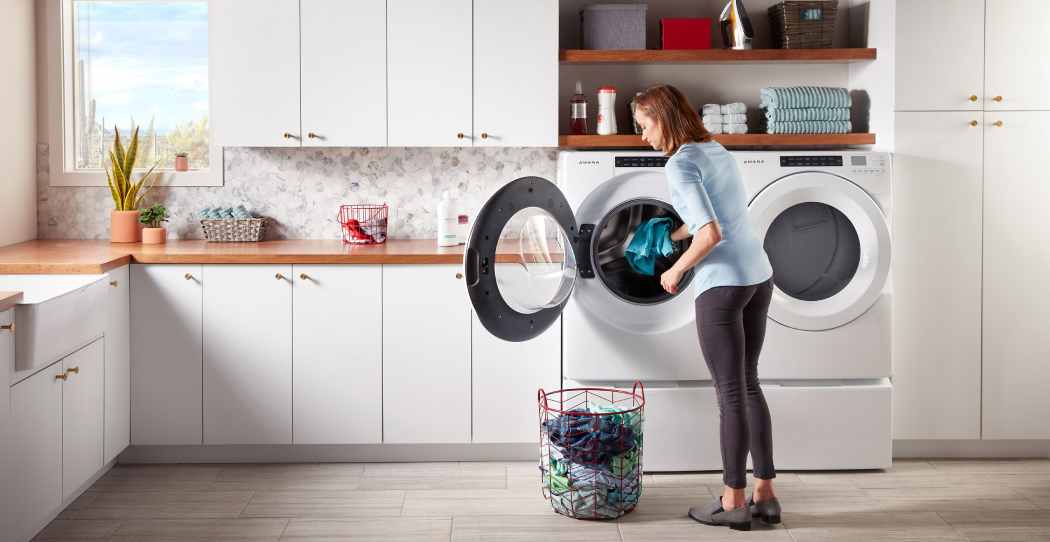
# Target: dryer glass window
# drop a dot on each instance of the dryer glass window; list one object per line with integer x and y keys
{"x": 814, "y": 250}
{"x": 535, "y": 266}
{"x": 608, "y": 252}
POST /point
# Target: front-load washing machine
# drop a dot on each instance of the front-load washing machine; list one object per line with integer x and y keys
{"x": 539, "y": 253}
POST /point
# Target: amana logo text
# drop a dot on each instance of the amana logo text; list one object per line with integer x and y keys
{"x": 754, "y": 161}
{"x": 588, "y": 162}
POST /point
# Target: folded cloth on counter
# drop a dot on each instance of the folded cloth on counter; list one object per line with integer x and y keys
{"x": 810, "y": 127}
{"x": 734, "y": 118}
{"x": 734, "y": 128}
{"x": 736, "y": 108}
{"x": 224, "y": 212}
{"x": 715, "y": 129}
{"x": 712, "y": 119}
{"x": 651, "y": 240}
{"x": 711, "y": 109}
{"x": 776, "y": 114}
{"x": 799, "y": 97}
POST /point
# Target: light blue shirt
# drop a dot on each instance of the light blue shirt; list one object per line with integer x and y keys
{"x": 706, "y": 186}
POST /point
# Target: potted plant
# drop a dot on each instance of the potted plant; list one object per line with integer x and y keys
{"x": 154, "y": 233}
{"x": 124, "y": 224}
{"x": 182, "y": 163}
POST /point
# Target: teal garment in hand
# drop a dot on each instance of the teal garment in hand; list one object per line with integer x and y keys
{"x": 652, "y": 239}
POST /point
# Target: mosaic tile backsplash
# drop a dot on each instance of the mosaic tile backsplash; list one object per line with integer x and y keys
{"x": 300, "y": 190}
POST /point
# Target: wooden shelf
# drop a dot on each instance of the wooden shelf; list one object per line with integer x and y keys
{"x": 719, "y": 55}
{"x": 631, "y": 140}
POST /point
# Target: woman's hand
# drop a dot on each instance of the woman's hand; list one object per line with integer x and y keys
{"x": 680, "y": 233}
{"x": 670, "y": 279}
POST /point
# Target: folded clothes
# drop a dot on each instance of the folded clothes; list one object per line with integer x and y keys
{"x": 712, "y": 119}
{"x": 734, "y": 128}
{"x": 651, "y": 240}
{"x": 715, "y": 129}
{"x": 711, "y": 109}
{"x": 588, "y": 439}
{"x": 224, "y": 212}
{"x": 736, "y": 108}
{"x": 734, "y": 118}
{"x": 776, "y": 114}
{"x": 800, "y": 97}
{"x": 810, "y": 127}
{"x": 634, "y": 419}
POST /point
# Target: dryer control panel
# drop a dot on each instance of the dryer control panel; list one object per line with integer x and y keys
{"x": 868, "y": 163}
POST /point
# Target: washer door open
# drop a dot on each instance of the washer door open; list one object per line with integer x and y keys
{"x": 829, "y": 246}
{"x": 520, "y": 259}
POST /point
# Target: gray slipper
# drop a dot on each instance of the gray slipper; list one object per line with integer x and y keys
{"x": 768, "y": 510}
{"x": 739, "y": 519}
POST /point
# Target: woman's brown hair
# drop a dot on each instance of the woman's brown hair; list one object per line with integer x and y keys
{"x": 680, "y": 122}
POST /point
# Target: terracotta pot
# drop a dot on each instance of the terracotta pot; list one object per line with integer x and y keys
{"x": 154, "y": 236}
{"x": 124, "y": 227}
{"x": 182, "y": 163}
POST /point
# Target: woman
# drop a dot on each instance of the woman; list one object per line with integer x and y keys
{"x": 732, "y": 287}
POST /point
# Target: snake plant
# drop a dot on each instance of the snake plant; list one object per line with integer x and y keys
{"x": 125, "y": 192}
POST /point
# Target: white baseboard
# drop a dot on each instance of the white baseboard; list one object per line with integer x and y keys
{"x": 931, "y": 449}
{"x": 329, "y": 453}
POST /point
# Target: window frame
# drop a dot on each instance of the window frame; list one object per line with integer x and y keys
{"x": 61, "y": 109}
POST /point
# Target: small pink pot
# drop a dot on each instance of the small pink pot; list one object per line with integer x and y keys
{"x": 182, "y": 163}
{"x": 124, "y": 227}
{"x": 154, "y": 236}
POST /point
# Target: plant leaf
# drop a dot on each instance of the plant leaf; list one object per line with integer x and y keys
{"x": 118, "y": 148}
{"x": 155, "y": 177}
{"x": 112, "y": 190}
{"x": 133, "y": 151}
{"x": 130, "y": 198}
{"x": 120, "y": 181}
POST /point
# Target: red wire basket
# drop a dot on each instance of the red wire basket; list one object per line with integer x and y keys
{"x": 591, "y": 450}
{"x": 363, "y": 224}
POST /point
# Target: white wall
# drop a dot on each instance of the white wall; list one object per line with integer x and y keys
{"x": 18, "y": 119}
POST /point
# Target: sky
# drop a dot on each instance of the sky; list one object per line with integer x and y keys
{"x": 144, "y": 58}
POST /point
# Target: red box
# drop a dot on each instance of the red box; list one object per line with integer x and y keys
{"x": 685, "y": 33}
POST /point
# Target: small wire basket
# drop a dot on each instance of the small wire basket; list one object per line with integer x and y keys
{"x": 591, "y": 450}
{"x": 363, "y": 224}
{"x": 803, "y": 24}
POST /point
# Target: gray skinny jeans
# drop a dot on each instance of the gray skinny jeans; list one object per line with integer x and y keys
{"x": 731, "y": 323}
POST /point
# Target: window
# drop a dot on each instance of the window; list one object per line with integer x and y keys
{"x": 126, "y": 64}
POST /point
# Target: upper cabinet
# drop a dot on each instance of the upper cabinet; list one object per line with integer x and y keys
{"x": 1016, "y": 74}
{"x": 940, "y": 53}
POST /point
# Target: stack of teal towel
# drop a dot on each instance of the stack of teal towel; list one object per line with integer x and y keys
{"x": 806, "y": 110}
{"x": 224, "y": 212}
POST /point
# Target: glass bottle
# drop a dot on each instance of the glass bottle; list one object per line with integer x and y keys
{"x": 578, "y": 112}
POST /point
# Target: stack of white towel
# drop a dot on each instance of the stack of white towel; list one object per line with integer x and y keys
{"x": 725, "y": 119}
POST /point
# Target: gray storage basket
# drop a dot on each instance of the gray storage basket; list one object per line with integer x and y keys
{"x": 612, "y": 26}
{"x": 231, "y": 230}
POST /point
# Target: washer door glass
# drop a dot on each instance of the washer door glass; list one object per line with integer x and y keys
{"x": 814, "y": 250}
{"x": 535, "y": 265}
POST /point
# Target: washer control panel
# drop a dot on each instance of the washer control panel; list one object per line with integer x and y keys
{"x": 820, "y": 160}
{"x": 868, "y": 163}
{"x": 641, "y": 161}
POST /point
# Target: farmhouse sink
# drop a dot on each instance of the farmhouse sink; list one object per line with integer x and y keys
{"x": 58, "y": 314}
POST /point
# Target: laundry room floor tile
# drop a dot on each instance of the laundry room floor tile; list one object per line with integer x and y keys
{"x": 476, "y": 502}
{"x": 973, "y": 499}
{"x": 155, "y": 478}
{"x": 77, "y": 505}
{"x": 84, "y": 529}
{"x": 285, "y": 478}
{"x": 646, "y": 528}
{"x": 1038, "y": 493}
{"x": 868, "y": 526}
{"x": 715, "y": 478}
{"x": 672, "y": 500}
{"x": 1006, "y": 526}
{"x": 531, "y": 528}
{"x": 166, "y": 505}
{"x": 903, "y": 473}
{"x": 323, "y": 504}
{"x": 380, "y": 529}
{"x": 416, "y": 477}
{"x": 821, "y": 499}
{"x": 197, "y": 529}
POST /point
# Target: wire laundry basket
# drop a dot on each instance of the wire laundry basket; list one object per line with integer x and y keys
{"x": 591, "y": 450}
{"x": 363, "y": 224}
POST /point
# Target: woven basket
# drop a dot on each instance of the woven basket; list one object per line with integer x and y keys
{"x": 806, "y": 24}
{"x": 232, "y": 230}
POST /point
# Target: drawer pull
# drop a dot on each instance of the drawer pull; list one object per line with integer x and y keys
{"x": 287, "y": 135}
{"x": 278, "y": 276}
{"x": 9, "y": 327}
{"x": 62, "y": 377}
{"x": 460, "y": 135}
{"x": 113, "y": 284}
{"x": 74, "y": 370}
{"x": 484, "y": 135}
{"x": 998, "y": 123}
{"x": 311, "y": 135}
{"x": 998, "y": 98}
{"x": 188, "y": 276}
{"x": 973, "y": 98}
{"x": 303, "y": 276}
{"x": 973, "y": 123}
{"x": 459, "y": 276}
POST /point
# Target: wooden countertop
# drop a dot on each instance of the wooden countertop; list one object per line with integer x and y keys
{"x": 9, "y": 299}
{"x": 95, "y": 256}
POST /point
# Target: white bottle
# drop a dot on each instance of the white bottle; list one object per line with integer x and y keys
{"x": 448, "y": 223}
{"x": 606, "y": 111}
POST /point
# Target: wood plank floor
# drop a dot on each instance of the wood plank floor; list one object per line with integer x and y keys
{"x": 984, "y": 500}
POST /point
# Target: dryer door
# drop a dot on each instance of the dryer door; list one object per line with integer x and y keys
{"x": 829, "y": 245}
{"x": 520, "y": 259}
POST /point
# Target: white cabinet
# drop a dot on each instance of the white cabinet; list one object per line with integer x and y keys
{"x": 505, "y": 379}
{"x": 343, "y": 46}
{"x": 247, "y": 354}
{"x": 516, "y": 73}
{"x": 35, "y": 462}
{"x": 7, "y": 360}
{"x": 166, "y": 345}
{"x": 426, "y": 355}
{"x": 1017, "y": 62}
{"x": 940, "y": 54}
{"x": 83, "y": 403}
{"x": 118, "y": 364}
{"x": 255, "y": 71}
{"x": 337, "y": 354}
{"x": 1016, "y": 319}
{"x": 429, "y": 73}
{"x": 937, "y": 199}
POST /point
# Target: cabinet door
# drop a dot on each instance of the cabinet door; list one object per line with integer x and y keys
{"x": 248, "y": 354}
{"x": 166, "y": 348}
{"x": 255, "y": 70}
{"x": 337, "y": 354}
{"x": 426, "y": 355}
{"x": 937, "y": 183}
{"x": 343, "y": 52}
{"x": 940, "y": 55}
{"x": 7, "y": 360}
{"x": 505, "y": 378}
{"x": 429, "y": 48}
{"x": 118, "y": 364}
{"x": 1016, "y": 319}
{"x": 36, "y": 449}
{"x": 1016, "y": 58}
{"x": 516, "y": 73}
{"x": 83, "y": 403}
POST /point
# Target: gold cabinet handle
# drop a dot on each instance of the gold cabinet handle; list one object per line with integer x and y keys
{"x": 459, "y": 275}
{"x": 484, "y": 135}
{"x": 998, "y": 98}
{"x": 188, "y": 276}
{"x": 460, "y": 135}
{"x": 973, "y": 123}
{"x": 113, "y": 284}
{"x": 998, "y": 123}
{"x": 287, "y": 135}
{"x": 9, "y": 327}
{"x": 973, "y": 98}
{"x": 311, "y": 135}
{"x": 62, "y": 377}
{"x": 303, "y": 276}
{"x": 278, "y": 276}
{"x": 74, "y": 370}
